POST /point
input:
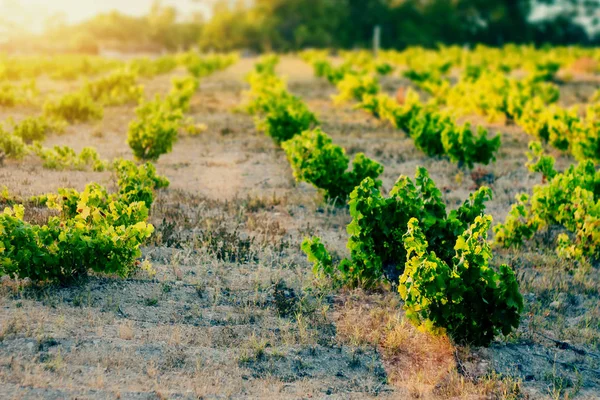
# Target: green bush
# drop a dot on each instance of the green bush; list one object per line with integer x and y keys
{"x": 95, "y": 231}
{"x": 138, "y": 183}
{"x": 464, "y": 147}
{"x": 74, "y": 107}
{"x": 356, "y": 87}
{"x": 11, "y": 145}
{"x": 64, "y": 249}
{"x": 462, "y": 295}
{"x": 267, "y": 64}
{"x": 117, "y": 88}
{"x": 286, "y": 117}
{"x": 435, "y": 133}
{"x": 149, "y": 68}
{"x": 33, "y": 129}
{"x": 154, "y": 131}
{"x": 280, "y": 114}
{"x": 377, "y": 251}
{"x": 181, "y": 93}
{"x": 65, "y": 158}
{"x": 265, "y": 91}
{"x": 8, "y": 95}
{"x": 316, "y": 160}
{"x": 570, "y": 200}
{"x": 201, "y": 66}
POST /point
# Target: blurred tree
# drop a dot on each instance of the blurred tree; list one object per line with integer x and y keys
{"x": 283, "y": 25}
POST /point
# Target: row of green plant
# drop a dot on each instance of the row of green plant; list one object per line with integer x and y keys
{"x": 65, "y": 158}
{"x": 496, "y": 96}
{"x": 15, "y": 137}
{"x": 440, "y": 260}
{"x": 117, "y": 88}
{"x": 25, "y": 138}
{"x": 72, "y": 67}
{"x": 157, "y": 123}
{"x": 279, "y": 114}
{"x": 94, "y": 231}
{"x": 62, "y": 67}
{"x": 12, "y": 94}
{"x": 530, "y": 102}
{"x": 428, "y": 65}
{"x": 568, "y": 200}
{"x": 200, "y": 66}
{"x": 435, "y": 133}
{"x": 74, "y": 107}
{"x": 313, "y": 156}
{"x": 565, "y": 129}
{"x": 149, "y": 68}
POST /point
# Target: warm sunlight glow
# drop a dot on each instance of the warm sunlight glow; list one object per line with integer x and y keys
{"x": 33, "y": 15}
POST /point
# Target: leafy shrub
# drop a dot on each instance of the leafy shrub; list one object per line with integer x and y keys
{"x": 324, "y": 69}
{"x": 181, "y": 93}
{"x": 498, "y": 97}
{"x": 64, "y": 249}
{"x": 74, "y": 107}
{"x": 138, "y": 183}
{"x": 435, "y": 133}
{"x": 200, "y": 66}
{"x": 281, "y": 115}
{"x": 286, "y": 117}
{"x": 119, "y": 87}
{"x": 11, "y": 145}
{"x": 64, "y": 157}
{"x": 542, "y": 71}
{"x": 356, "y": 87}
{"x": 265, "y": 90}
{"x": 149, "y": 68}
{"x": 33, "y": 129}
{"x": 154, "y": 131}
{"x": 8, "y": 95}
{"x": 462, "y": 295}
{"x": 316, "y": 160}
{"x": 266, "y": 64}
{"x": 11, "y": 94}
{"x": 384, "y": 68}
{"x": 377, "y": 250}
{"x": 570, "y": 200}
{"x": 95, "y": 231}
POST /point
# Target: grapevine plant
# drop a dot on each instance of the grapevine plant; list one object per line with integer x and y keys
{"x": 569, "y": 200}
{"x": 156, "y": 127}
{"x": 154, "y": 131}
{"x": 377, "y": 252}
{"x": 74, "y": 107}
{"x": 434, "y": 132}
{"x": 317, "y": 160}
{"x": 64, "y": 157}
{"x": 440, "y": 259}
{"x": 280, "y": 114}
{"x": 119, "y": 87}
{"x": 462, "y": 296}
{"x": 94, "y": 231}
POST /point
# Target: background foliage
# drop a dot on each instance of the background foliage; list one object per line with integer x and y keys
{"x": 285, "y": 25}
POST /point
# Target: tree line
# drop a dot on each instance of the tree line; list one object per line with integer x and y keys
{"x": 288, "y": 25}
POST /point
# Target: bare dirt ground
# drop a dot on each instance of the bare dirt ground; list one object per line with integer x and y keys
{"x": 234, "y": 312}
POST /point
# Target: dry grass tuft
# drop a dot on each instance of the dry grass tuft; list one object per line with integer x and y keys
{"x": 126, "y": 332}
{"x": 420, "y": 363}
